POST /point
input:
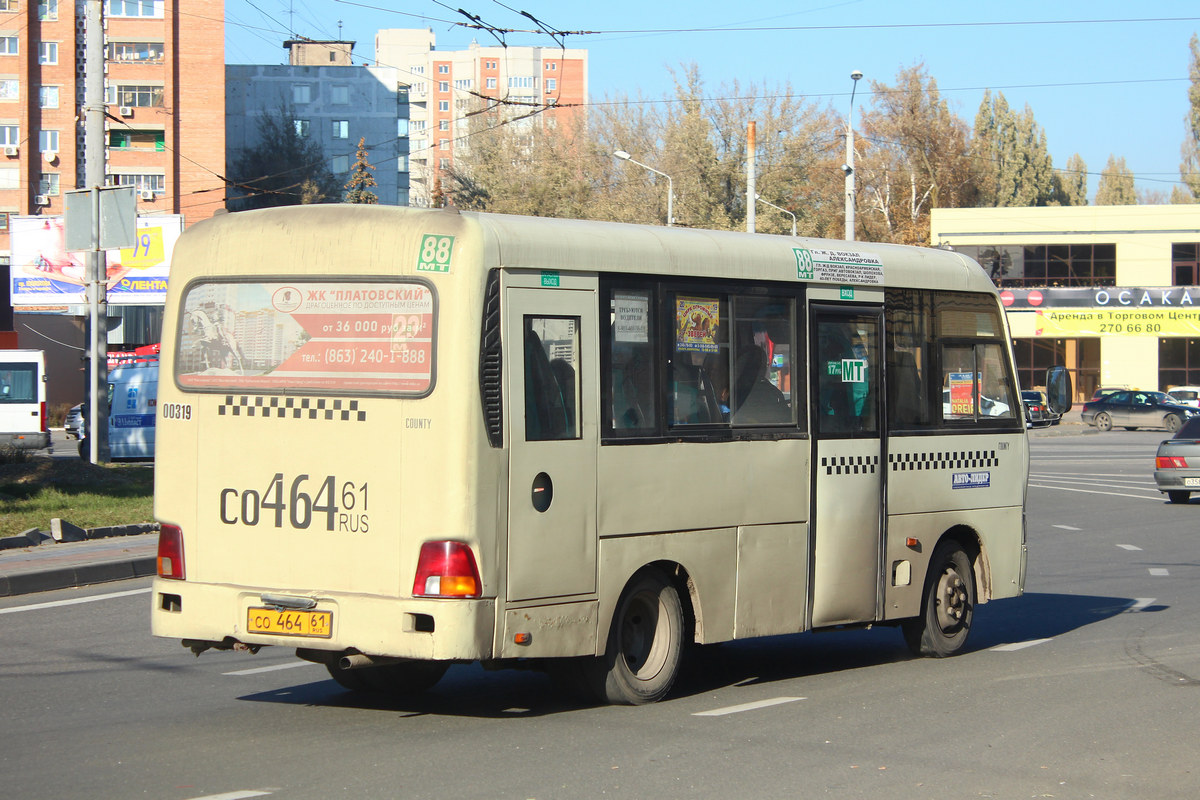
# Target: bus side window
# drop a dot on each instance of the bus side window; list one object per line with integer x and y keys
{"x": 630, "y": 365}
{"x": 551, "y": 378}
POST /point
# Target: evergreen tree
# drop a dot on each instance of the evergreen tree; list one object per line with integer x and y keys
{"x": 1073, "y": 182}
{"x": 1011, "y": 156}
{"x": 1116, "y": 187}
{"x": 1189, "y": 170}
{"x": 284, "y": 168}
{"x": 358, "y": 188}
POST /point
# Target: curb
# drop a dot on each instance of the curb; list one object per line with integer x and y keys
{"x": 69, "y": 577}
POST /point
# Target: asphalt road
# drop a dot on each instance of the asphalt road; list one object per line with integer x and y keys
{"x": 1085, "y": 687}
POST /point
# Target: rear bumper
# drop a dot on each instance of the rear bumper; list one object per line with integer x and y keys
{"x": 1169, "y": 480}
{"x": 438, "y": 630}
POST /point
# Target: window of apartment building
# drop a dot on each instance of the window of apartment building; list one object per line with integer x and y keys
{"x": 339, "y": 95}
{"x": 301, "y": 93}
{"x": 4, "y": 220}
{"x": 9, "y": 45}
{"x": 151, "y": 9}
{"x": 10, "y": 89}
{"x": 10, "y": 134}
{"x": 47, "y": 97}
{"x": 402, "y": 127}
{"x": 443, "y": 125}
{"x": 443, "y": 105}
{"x": 341, "y": 129}
{"x": 10, "y": 5}
{"x": 551, "y": 66}
{"x": 48, "y": 184}
{"x": 444, "y": 144}
{"x": 140, "y": 182}
{"x": 10, "y": 178}
{"x": 491, "y": 83}
{"x": 48, "y": 141}
{"x": 417, "y": 69}
{"x": 136, "y": 52}
{"x": 521, "y": 82}
{"x": 1185, "y": 264}
{"x": 416, "y": 125}
{"x": 443, "y": 69}
{"x": 47, "y": 9}
{"x": 464, "y": 83}
{"x": 490, "y": 64}
{"x": 48, "y": 53}
{"x": 551, "y": 85}
{"x": 340, "y": 164}
{"x": 136, "y": 95}
{"x": 443, "y": 163}
{"x": 302, "y": 127}
{"x": 127, "y": 139}
{"x": 443, "y": 86}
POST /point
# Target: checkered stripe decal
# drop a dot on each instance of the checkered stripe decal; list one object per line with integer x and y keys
{"x": 964, "y": 459}
{"x": 292, "y": 407}
{"x": 850, "y": 465}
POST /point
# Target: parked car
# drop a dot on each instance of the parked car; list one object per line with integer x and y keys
{"x": 1103, "y": 390}
{"x": 1177, "y": 463}
{"x": 1187, "y": 395}
{"x": 74, "y": 422}
{"x": 1038, "y": 406}
{"x": 987, "y": 406}
{"x": 1137, "y": 410}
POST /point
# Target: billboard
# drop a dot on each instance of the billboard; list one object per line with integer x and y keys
{"x": 44, "y": 273}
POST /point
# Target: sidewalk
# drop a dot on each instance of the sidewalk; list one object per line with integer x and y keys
{"x": 61, "y": 565}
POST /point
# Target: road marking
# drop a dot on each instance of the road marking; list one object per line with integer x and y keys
{"x": 1159, "y": 572}
{"x": 274, "y": 668}
{"x": 74, "y": 601}
{"x": 1155, "y": 499}
{"x": 774, "y": 701}
{"x": 1068, "y": 527}
{"x": 1140, "y": 604}
{"x": 1009, "y": 648}
{"x": 236, "y": 795}
{"x": 1129, "y": 547}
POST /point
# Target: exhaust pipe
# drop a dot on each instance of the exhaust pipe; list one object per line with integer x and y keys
{"x": 360, "y": 661}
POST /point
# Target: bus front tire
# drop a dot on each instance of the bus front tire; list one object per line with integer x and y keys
{"x": 397, "y": 680}
{"x": 947, "y": 607}
{"x": 645, "y": 643}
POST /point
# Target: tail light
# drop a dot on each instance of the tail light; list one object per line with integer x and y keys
{"x": 45, "y": 419}
{"x": 1170, "y": 462}
{"x": 170, "y": 552}
{"x": 446, "y": 569}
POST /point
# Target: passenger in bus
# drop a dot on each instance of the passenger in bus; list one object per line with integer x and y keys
{"x": 755, "y": 399}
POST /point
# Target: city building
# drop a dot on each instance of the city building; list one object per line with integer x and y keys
{"x": 447, "y": 85}
{"x": 333, "y": 105}
{"x": 164, "y": 135}
{"x": 1111, "y": 292}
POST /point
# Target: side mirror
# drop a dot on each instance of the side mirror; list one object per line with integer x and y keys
{"x": 1058, "y": 389}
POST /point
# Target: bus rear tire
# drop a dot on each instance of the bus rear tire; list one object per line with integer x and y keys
{"x": 397, "y": 680}
{"x": 948, "y": 606}
{"x": 645, "y": 643}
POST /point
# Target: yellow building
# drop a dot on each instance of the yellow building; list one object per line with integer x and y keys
{"x": 1112, "y": 292}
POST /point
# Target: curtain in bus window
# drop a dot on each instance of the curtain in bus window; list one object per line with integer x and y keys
{"x": 18, "y": 383}
{"x": 551, "y": 378}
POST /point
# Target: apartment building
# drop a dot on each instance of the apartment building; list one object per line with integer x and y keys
{"x": 446, "y": 85}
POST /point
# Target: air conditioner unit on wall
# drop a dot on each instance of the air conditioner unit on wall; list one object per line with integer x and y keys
{"x": 41, "y": 200}
{"x": 11, "y": 150}
{"x": 126, "y": 111}
{"x": 146, "y": 194}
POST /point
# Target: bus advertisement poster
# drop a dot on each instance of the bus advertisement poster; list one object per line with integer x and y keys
{"x": 696, "y": 321}
{"x": 962, "y": 394}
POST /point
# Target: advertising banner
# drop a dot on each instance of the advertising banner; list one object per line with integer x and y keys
{"x": 44, "y": 273}
{"x": 1121, "y": 321}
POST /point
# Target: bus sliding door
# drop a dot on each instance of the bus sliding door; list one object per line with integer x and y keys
{"x": 847, "y": 464}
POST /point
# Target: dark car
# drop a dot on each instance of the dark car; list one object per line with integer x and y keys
{"x": 1177, "y": 463}
{"x": 1038, "y": 408}
{"x": 74, "y": 422}
{"x": 1132, "y": 410}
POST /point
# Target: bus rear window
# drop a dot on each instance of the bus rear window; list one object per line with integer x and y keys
{"x": 325, "y": 336}
{"x": 18, "y": 383}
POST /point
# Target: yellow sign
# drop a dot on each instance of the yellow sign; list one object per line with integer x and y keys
{"x": 1075, "y": 322}
{"x": 146, "y": 252}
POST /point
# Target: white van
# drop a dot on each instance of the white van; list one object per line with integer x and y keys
{"x": 132, "y": 405}
{"x": 23, "y": 421}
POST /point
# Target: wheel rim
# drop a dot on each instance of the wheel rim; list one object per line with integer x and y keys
{"x": 1172, "y": 423}
{"x": 953, "y": 602}
{"x": 1104, "y": 422}
{"x": 645, "y": 635}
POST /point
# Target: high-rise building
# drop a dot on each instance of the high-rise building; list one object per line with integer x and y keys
{"x": 446, "y": 85}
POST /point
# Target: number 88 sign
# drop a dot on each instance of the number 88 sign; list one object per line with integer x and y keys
{"x": 435, "y": 253}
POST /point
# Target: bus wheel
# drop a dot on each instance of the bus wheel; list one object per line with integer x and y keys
{"x": 392, "y": 679}
{"x": 948, "y": 605}
{"x": 645, "y": 644}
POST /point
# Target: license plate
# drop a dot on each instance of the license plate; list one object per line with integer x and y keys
{"x": 317, "y": 624}
{"x": 1191, "y": 481}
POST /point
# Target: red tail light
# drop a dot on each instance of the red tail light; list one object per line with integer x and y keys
{"x": 170, "y": 552}
{"x": 1170, "y": 462}
{"x": 45, "y": 419}
{"x": 446, "y": 569}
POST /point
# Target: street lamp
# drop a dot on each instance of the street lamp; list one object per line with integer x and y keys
{"x": 624, "y": 156}
{"x": 777, "y": 208}
{"x": 848, "y": 167}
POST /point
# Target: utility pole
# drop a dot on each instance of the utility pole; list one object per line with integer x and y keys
{"x": 751, "y": 192}
{"x": 97, "y": 267}
{"x": 848, "y": 167}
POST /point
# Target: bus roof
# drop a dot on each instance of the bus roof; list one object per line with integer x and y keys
{"x": 567, "y": 245}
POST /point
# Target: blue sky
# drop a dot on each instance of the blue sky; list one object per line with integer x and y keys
{"x": 1101, "y": 77}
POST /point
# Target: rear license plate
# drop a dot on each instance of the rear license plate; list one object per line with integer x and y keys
{"x": 317, "y": 624}
{"x": 1191, "y": 481}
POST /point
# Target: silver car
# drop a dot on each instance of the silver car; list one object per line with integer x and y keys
{"x": 1177, "y": 463}
{"x": 73, "y": 426}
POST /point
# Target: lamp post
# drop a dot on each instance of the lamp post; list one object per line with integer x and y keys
{"x": 624, "y": 156}
{"x": 777, "y": 208}
{"x": 848, "y": 167}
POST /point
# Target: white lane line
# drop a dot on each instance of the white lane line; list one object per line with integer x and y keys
{"x": 236, "y": 795}
{"x": 1129, "y": 547}
{"x": 1087, "y": 491}
{"x": 1139, "y": 604}
{"x": 74, "y": 601}
{"x": 1009, "y": 648}
{"x": 774, "y": 701}
{"x": 1068, "y": 527}
{"x": 1159, "y": 572}
{"x": 274, "y": 668}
